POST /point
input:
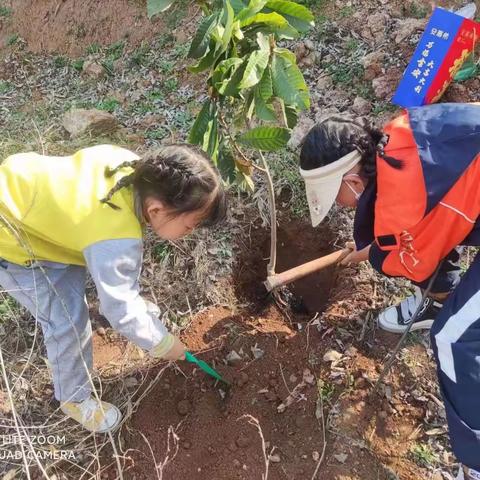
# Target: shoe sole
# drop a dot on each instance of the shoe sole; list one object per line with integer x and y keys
{"x": 423, "y": 325}
{"x": 115, "y": 425}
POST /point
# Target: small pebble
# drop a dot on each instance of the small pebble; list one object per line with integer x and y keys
{"x": 236, "y": 463}
{"x": 101, "y": 331}
{"x": 242, "y": 379}
{"x": 187, "y": 445}
{"x": 183, "y": 407}
{"x": 360, "y": 383}
{"x": 274, "y": 458}
{"x": 309, "y": 44}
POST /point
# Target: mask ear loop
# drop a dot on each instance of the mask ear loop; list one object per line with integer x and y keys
{"x": 357, "y": 195}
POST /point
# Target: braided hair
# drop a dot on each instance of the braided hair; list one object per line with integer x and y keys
{"x": 336, "y": 136}
{"x": 181, "y": 176}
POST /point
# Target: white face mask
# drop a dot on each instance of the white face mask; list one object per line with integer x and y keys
{"x": 357, "y": 195}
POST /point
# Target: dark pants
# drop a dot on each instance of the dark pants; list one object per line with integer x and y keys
{"x": 449, "y": 274}
{"x": 456, "y": 342}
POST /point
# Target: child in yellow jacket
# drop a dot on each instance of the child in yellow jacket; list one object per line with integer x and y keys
{"x": 60, "y": 216}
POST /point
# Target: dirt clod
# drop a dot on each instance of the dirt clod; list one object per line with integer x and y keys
{"x": 184, "y": 407}
{"x": 274, "y": 458}
{"x": 233, "y": 358}
{"x": 242, "y": 379}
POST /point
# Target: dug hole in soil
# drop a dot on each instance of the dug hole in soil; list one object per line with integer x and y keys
{"x": 275, "y": 362}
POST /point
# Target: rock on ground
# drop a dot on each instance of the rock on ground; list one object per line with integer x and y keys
{"x": 96, "y": 122}
{"x": 94, "y": 70}
{"x": 361, "y": 106}
{"x": 385, "y": 86}
{"x": 406, "y": 28}
{"x": 373, "y": 65}
{"x": 375, "y": 28}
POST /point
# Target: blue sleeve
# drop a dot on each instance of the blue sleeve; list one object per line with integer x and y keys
{"x": 376, "y": 258}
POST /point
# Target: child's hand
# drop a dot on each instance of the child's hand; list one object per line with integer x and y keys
{"x": 356, "y": 256}
{"x": 177, "y": 352}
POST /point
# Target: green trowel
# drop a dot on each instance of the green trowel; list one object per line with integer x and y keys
{"x": 189, "y": 357}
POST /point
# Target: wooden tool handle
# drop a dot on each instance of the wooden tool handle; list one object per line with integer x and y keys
{"x": 301, "y": 271}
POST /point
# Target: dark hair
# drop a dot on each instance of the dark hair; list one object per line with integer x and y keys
{"x": 179, "y": 175}
{"x": 337, "y": 136}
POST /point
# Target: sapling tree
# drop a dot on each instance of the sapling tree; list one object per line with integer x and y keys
{"x": 254, "y": 88}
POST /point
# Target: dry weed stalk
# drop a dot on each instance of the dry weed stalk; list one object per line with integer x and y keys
{"x": 320, "y": 416}
{"x": 253, "y": 421}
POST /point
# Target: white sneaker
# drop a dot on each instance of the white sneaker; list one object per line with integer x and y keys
{"x": 471, "y": 474}
{"x": 89, "y": 414}
{"x": 466, "y": 473}
{"x": 397, "y": 318}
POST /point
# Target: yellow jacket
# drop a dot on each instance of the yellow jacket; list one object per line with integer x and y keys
{"x": 50, "y": 206}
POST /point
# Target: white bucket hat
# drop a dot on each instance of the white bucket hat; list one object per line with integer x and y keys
{"x": 323, "y": 184}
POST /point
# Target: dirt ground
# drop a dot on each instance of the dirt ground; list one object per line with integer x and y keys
{"x": 70, "y": 26}
{"x": 191, "y": 427}
{"x": 304, "y": 371}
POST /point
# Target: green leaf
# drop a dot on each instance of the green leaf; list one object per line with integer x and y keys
{"x": 286, "y": 54}
{"x": 237, "y": 5}
{"x": 263, "y": 110}
{"x": 157, "y": 6}
{"x": 291, "y": 115}
{"x": 223, "y": 73}
{"x": 273, "y": 19}
{"x": 228, "y": 18}
{"x": 265, "y": 87}
{"x": 291, "y": 8}
{"x": 256, "y": 65}
{"x": 207, "y": 61}
{"x": 288, "y": 82}
{"x": 263, "y": 41}
{"x": 298, "y": 16}
{"x": 303, "y": 100}
{"x": 211, "y": 140}
{"x": 226, "y": 162}
{"x": 244, "y": 182}
{"x": 201, "y": 40}
{"x": 232, "y": 88}
{"x": 249, "y": 105}
{"x": 200, "y": 125}
{"x": 283, "y": 31}
{"x": 236, "y": 31}
{"x": 266, "y": 138}
{"x": 253, "y": 8}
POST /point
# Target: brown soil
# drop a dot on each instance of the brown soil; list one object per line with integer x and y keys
{"x": 69, "y": 26}
{"x": 297, "y": 243}
{"x": 214, "y": 437}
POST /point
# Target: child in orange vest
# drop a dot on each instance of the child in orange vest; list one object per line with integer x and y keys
{"x": 415, "y": 187}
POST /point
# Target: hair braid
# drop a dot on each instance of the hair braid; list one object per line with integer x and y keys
{"x": 181, "y": 176}
{"x": 123, "y": 182}
{"x": 111, "y": 171}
